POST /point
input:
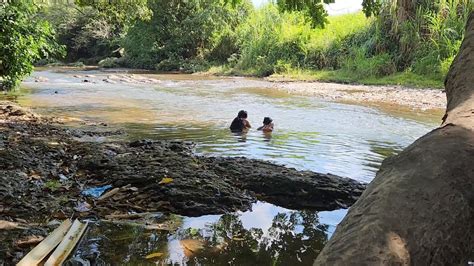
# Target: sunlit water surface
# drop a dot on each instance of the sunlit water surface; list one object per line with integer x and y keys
{"x": 310, "y": 134}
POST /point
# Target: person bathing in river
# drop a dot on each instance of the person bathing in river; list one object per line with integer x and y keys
{"x": 240, "y": 123}
{"x": 267, "y": 125}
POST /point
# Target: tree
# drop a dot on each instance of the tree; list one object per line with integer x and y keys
{"x": 314, "y": 9}
{"x": 419, "y": 209}
{"x": 182, "y": 30}
{"x": 24, "y": 38}
{"x": 93, "y": 30}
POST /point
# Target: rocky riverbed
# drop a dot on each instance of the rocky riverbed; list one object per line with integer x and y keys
{"x": 45, "y": 167}
{"x": 398, "y": 96}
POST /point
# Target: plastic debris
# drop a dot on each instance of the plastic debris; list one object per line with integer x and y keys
{"x": 95, "y": 191}
{"x": 83, "y": 207}
{"x": 63, "y": 177}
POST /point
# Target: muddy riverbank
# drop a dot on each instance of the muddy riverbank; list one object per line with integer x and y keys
{"x": 45, "y": 167}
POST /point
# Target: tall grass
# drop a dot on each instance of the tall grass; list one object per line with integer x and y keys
{"x": 445, "y": 31}
{"x": 328, "y": 46}
{"x": 269, "y": 39}
{"x": 276, "y": 42}
{"x": 364, "y": 49}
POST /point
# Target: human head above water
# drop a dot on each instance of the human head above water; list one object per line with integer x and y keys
{"x": 242, "y": 114}
{"x": 267, "y": 120}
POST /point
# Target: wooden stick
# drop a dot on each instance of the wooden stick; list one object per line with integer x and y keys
{"x": 37, "y": 254}
{"x": 67, "y": 245}
{"x": 7, "y": 225}
{"x": 109, "y": 194}
{"x": 130, "y": 215}
{"x": 159, "y": 227}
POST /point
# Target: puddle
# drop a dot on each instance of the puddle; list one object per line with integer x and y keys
{"x": 267, "y": 235}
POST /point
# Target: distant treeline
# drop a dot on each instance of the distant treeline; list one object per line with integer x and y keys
{"x": 419, "y": 37}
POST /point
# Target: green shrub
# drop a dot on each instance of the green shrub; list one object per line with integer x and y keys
{"x": 268, "y": 36}
{"x": 195, "y": 65}
{"x": 362, "y": 66}
{"x": 282, "y": 67}
{"x": 24, "y": 39}
{"x": 170, "y": 64}
{"x": 226, "y": 45}
{"x": 184, "y": 30}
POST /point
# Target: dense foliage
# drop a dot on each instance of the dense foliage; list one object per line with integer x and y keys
{"x": 290, "y": 42}
{"x": 184, "y": 34}
{"x": 400, "y": 38}
{"x": 24, "y": 38}
{"x": 419, "y": 38}
{"x": 93, "y": 30}
{"x": 423, "y": 36}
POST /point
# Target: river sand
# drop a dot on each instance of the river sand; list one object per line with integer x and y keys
{"x": 423, "y": 99}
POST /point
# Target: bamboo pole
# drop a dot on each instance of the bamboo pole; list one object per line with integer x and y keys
{"x": 37, "y": 254}
{"x": 67, "y": 245}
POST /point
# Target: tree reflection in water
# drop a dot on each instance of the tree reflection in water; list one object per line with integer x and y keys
{"x": 294, "y": 238}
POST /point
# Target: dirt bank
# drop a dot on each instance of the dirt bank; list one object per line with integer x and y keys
{"x": 45, "y": 167}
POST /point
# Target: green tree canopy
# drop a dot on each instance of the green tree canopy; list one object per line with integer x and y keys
{"x": 314, "y": 9}
{"x": 24, "y": 38}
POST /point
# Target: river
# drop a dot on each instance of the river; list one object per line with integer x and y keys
{"x": 310, "y": 134}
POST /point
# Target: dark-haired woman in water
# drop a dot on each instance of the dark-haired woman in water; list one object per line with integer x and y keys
{"x": 240, "y": 123}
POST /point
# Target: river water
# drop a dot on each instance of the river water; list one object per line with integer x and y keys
{"x": 310, "y": 134}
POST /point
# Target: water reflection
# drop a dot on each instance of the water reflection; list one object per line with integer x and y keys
{"x": 267, "y": 235}
{"x": 381, "y": 151}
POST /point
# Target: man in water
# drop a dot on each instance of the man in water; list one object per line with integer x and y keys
{"x": 240, "y": 123}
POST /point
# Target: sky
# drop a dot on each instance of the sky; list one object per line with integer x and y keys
{"x": 338, "y": 8}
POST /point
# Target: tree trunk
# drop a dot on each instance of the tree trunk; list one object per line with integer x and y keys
{"x": 419, "y": 209}
{"x": 405, "y": 10}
